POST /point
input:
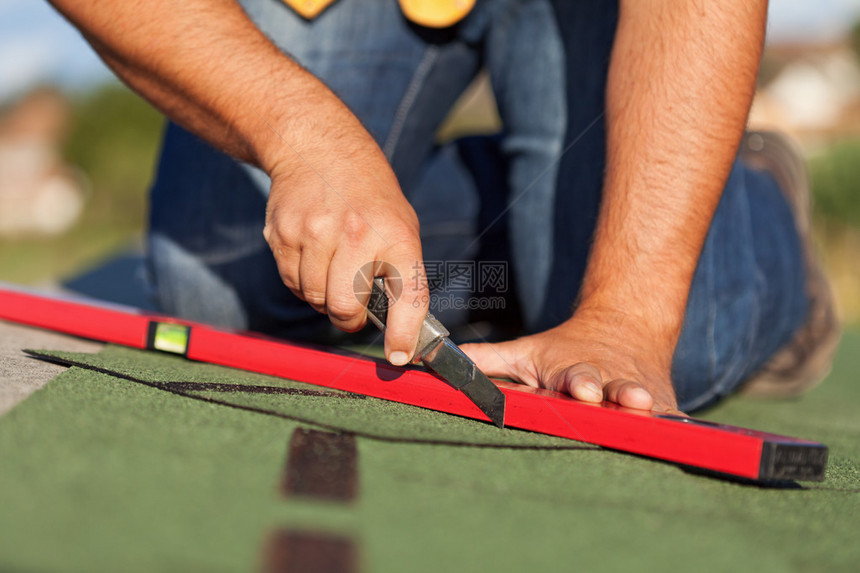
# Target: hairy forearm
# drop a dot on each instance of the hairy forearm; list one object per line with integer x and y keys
{"x": 206, "y": 66}
{"x": 681, "y": 81}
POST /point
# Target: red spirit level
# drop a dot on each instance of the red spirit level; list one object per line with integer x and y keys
{"x": 687, "y": 441}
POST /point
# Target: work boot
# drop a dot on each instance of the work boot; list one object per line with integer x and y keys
{"x": 806, "y": 359}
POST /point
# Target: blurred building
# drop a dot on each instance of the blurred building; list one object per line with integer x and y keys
{"x": 39, "y": 192}
{"x": 811, "y": 91}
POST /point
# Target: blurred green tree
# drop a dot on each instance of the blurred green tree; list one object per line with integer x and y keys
{"x": 836, "y": 183}
{"x": 855, "y": 38}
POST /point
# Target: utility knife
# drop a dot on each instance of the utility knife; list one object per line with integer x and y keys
{"x": 443, "y": 357}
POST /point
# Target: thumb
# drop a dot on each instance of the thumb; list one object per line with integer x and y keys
{"x": 503, "y": 360}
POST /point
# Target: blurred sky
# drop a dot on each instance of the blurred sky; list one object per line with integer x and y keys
{"x": 38, "y": 46}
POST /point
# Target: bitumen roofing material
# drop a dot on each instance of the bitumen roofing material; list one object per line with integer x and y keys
{"x": 21, "y": 375}
{"x": 140, "y": 461}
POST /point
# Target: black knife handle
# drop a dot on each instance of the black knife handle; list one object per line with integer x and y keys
{"x": 432, "y": 331}
{"x": 377, "y": 305}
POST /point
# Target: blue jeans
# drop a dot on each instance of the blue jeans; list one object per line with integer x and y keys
{"x": 532, "y": 193}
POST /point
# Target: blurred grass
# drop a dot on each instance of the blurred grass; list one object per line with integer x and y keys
{"x": 113, "y": 139}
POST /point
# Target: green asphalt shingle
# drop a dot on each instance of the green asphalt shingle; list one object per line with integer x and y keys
{"x": 100, "y": 473}
{"x": 366, "y": 416}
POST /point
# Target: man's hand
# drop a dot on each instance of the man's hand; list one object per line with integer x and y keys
{"x": 594, "y": 356}
{"x": 334, "y": 207}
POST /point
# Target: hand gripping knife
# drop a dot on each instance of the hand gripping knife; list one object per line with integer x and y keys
{"x": 444, "y": 358}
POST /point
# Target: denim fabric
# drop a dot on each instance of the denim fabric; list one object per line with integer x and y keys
{"x": 547, "y": 62}
{"x": 401, "y": 80}
{"x": 747, "y": 296}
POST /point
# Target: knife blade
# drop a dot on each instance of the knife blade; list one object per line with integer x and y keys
{"x": 443, "y": 357}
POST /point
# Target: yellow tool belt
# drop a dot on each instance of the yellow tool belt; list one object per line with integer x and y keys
{"x": 430, "y": 13}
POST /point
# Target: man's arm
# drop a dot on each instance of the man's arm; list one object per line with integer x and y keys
{"x": 334, "y": 203}
{"x": 681, "y": 80}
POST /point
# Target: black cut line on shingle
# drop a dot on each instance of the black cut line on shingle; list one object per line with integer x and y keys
{"x": 381, "y": 437}
{"x": 184, "y": 386}
{"x": 251, "y": 389}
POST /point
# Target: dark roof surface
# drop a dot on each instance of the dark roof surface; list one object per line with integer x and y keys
{"x": 139, "y": 461}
